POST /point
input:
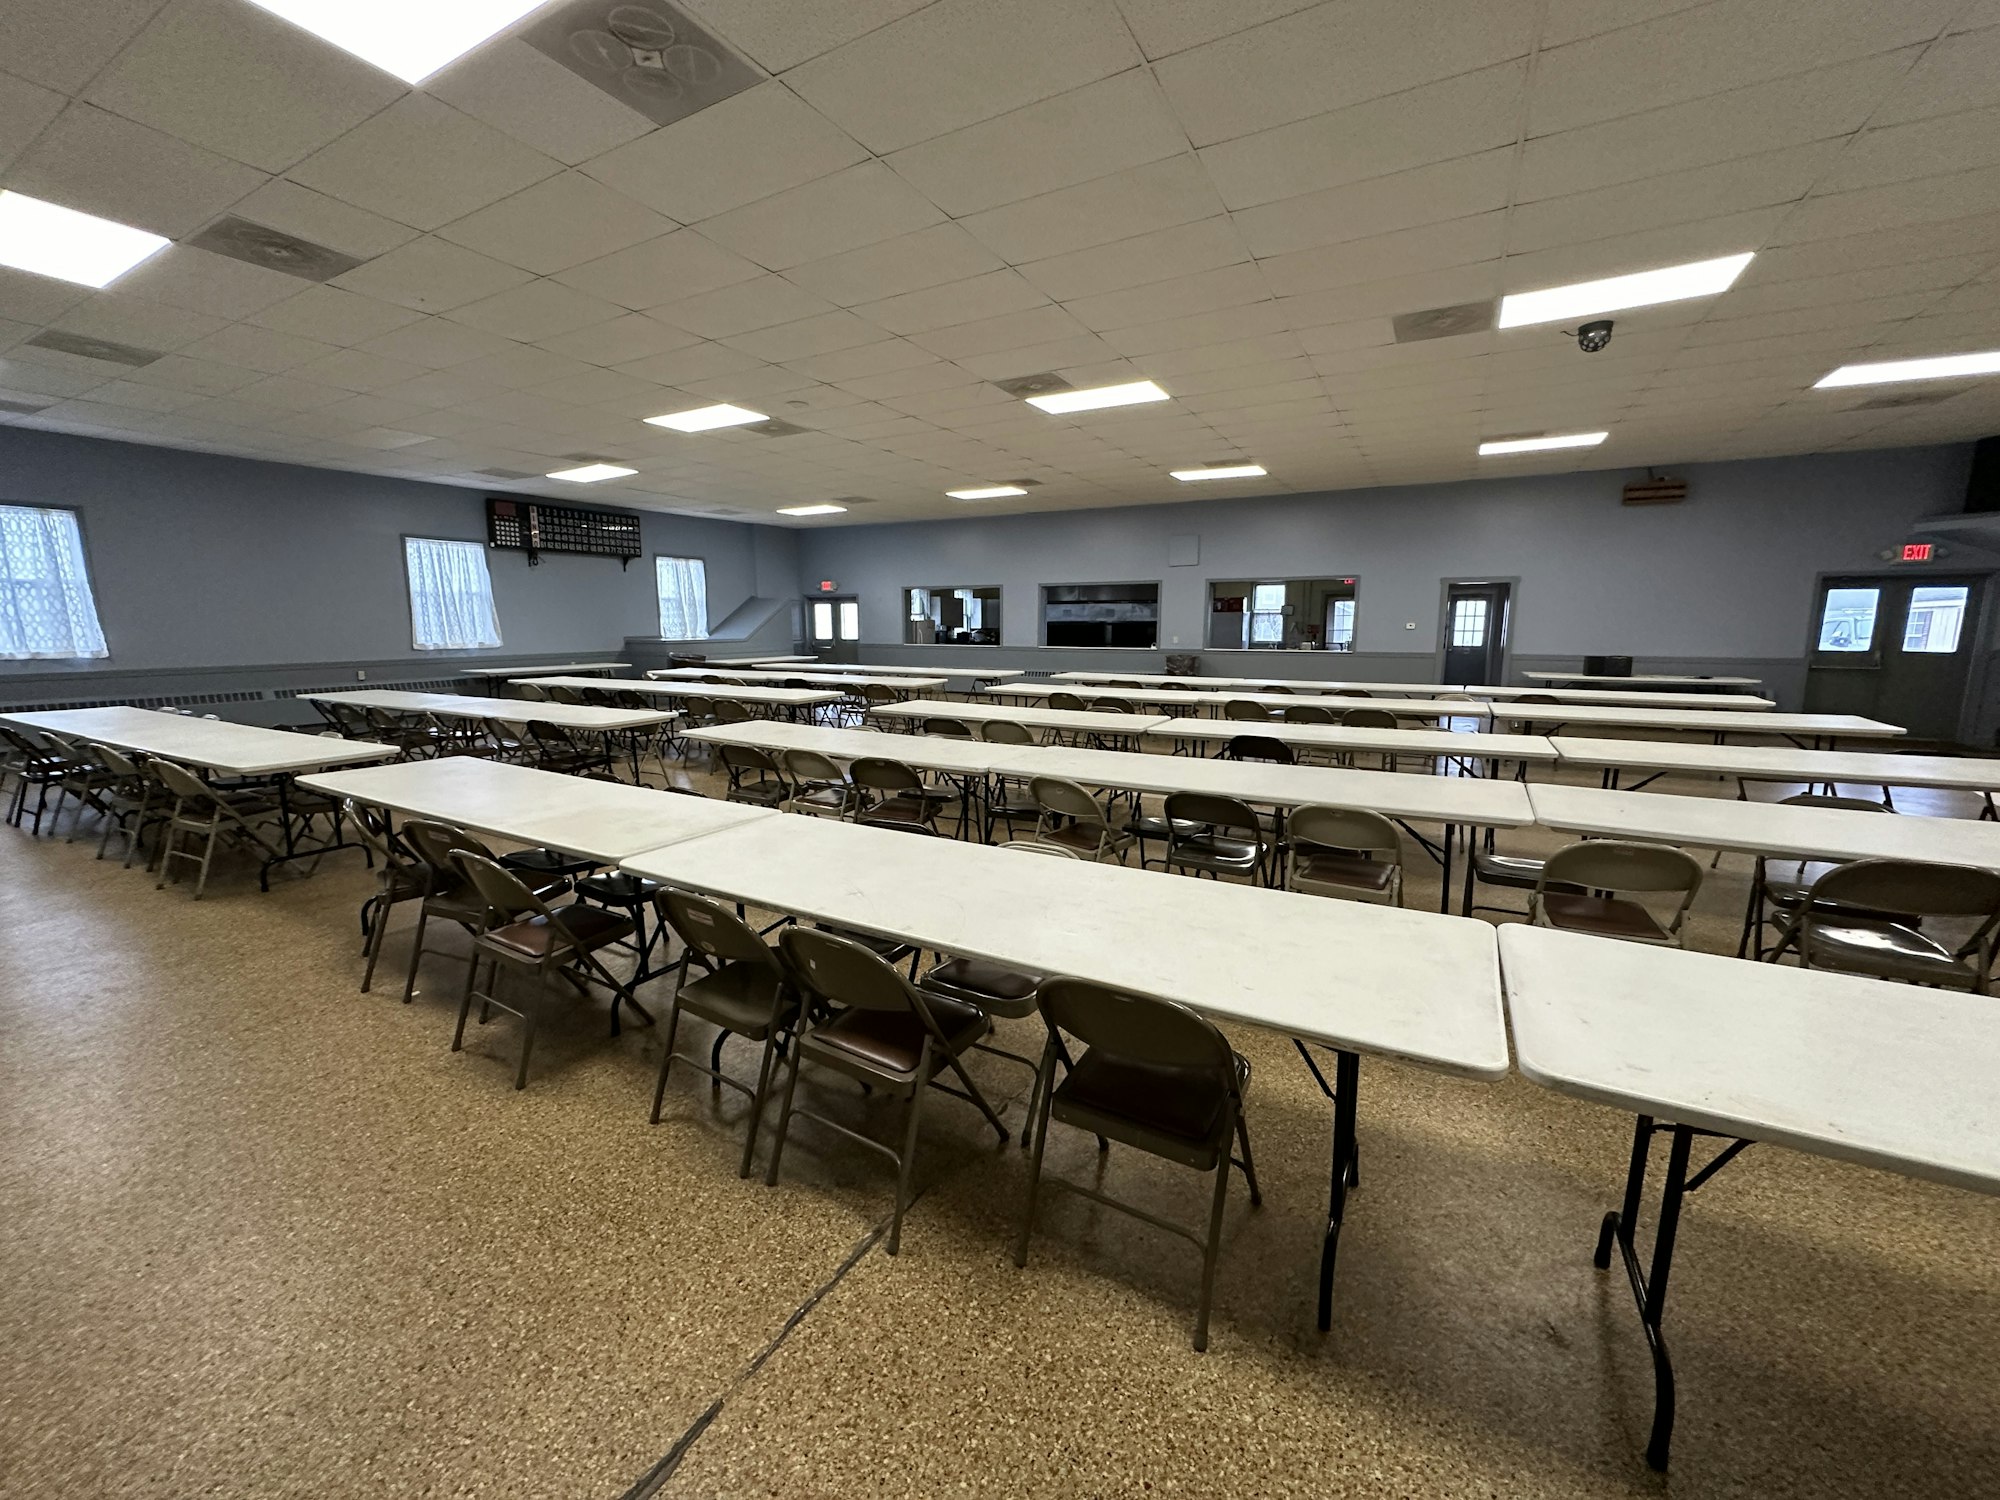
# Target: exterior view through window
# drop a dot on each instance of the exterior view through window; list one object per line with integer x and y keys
{"x": 1848, "y": 621}
{"x": 1294, "y": 614}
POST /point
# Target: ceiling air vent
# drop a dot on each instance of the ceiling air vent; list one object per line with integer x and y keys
{"x": 1025, "y": 386}
{"x": 1656, "y": 490}
{"x": 646, "y": 54}
{"x": 272, "y": 249}
{"x": 24, "y": 408}
{"x": 1908, "y": 398}
{"x": 774, "y": 428}
{"x": 852, "y": 500}
{"x": 104, "y": 349}
{"x": 1443, "y": 322}
{"x": 504, "y": 473}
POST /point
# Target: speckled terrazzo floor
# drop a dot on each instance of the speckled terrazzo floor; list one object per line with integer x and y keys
{"x": 264, "y": 1236}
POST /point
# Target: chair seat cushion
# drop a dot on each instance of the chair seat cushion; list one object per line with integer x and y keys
{"x": 1887, "y": 950}
{"x": 985, "y": 983}
{"x": 1602, "y": 916}
{"x": 1175, "y": 1112}
{"x": 893, "y": 1040}
{"x": 1351, "y": 870}
{"x": 583, "y": 927}
{"x": 896, "y": 810}
{"x": 1216, "y": 850}
{"x": 760, "y": 793}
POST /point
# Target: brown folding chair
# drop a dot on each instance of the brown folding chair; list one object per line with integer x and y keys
{"x": 1069, "y": 817}
{"x": 1343, "y": 851}
{"x": 1866, "y": 918}
{"x": 1584, "y": 886}
{"x": 211, "y": 816}
{"x": 1213, "y": 836}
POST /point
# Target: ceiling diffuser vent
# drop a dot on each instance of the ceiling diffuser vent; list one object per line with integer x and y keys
{"x": 504, "y": 473}
{"x": 104, "y": 349}
{"x": 646, "y": 54}
{"x": 239, "y": 239}
{"x": 774, "y": 428}
{"x": 24, "y": 408}
{"x": 851, "y": 500}
{"x": 1443, "y": 322}
{"x": 1908, "y": 398}
{"x": 1025, "y": 386}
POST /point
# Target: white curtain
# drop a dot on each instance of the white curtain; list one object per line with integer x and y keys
{"x": 683, "y": 598}
{"x": 451, "y": 596}
{"x": 46, "y": 608}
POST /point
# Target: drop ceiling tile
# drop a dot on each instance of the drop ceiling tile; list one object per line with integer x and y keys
{"x": 239, "y": 81}
{"x": 1061, "y": 355}
{"x": 1181, "y": 250}
{"x": 358, "y": 370}
{"x": 46, "y": 42}
{"x": 1091, "y": 132}
{"x": 907, "y": 263}
{"x": 1921, "y": 201}
{"x": 1922, "y": 148}
{"x": 1008, "y": 331}
{"x": 662, "y": 270}
{"x": 133, "y": 395}
{"x": 749, "y": 146}
{"x": 1957, "y": 72}
{"x": 781, "y": 34}
{"x": 126, "y": 320}
{"x": 1378, "y": 206}
{"x": 1713, "y": 48}
{"x": 333, "y": 316}
{"x": 257, "y": 349}
{"x": 45, "y": 377}
{"x": 1164, "y": 27}
{"x": 1204, "y": 291}
{"x": 1618, "y": 254}
{"x": 287, "y": 393}
{"x": 866, "y": 359}
{"x": 560, "y": 222}
{"x": 530, "y": 96}
{"x": 843, "y": 211}
{"x": 1751, "y": 297}
{"x": 300, "y": 211}
{"x": 700, "y": 362}
{"x": 25, "y": 111}
{"x": 423, "y": 163}
{"x": 205, "y": 283}
{"x": 991, "y": 295}
{"x": 178, "y": 372}
{"x": 633, "y": 336}
{"x": 1116, "y": 207}
{"x": 823, "y": 334}
{"x": 430, "y": 275}
{"x": 743, "y": 308}
{"x": 436, "y": 343}
{"x": 522, "y": 367}
{"x": 935, "y": 71}
{"x": 539, "y": 310}
{"x": 1429, "y": 247}
{"x": 101, "y": 164}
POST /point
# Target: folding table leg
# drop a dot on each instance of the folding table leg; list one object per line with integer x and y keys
{"x": 1346, "y": 1174}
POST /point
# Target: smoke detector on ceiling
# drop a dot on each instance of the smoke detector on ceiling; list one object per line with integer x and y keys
{"x": 1043, "y": 384}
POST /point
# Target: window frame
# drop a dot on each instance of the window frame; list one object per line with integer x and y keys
{"x": 1287, "y": 622}
{"x": 707, "y": 625}
{"x": 75, "y": 513}
{"x": 410, "y": 597}
{"x": 933, "y": 590}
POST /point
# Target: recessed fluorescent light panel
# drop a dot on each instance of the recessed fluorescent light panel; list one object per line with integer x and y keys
{"x": 50, "y": 240}
{"x": 410, "y": 38}
{"x": 1541, "y": 444}
{"x": 1135, "y": 393}
{"x": 1220, "y": 471}
{"x": 1583, "y": 299}
{"x": 988, "y": 492}
{"x": 592, "y": 473}
{"x": 811, "y": 510}
{"x": 708, "y": 418}
{"x": 1890, "y": 371}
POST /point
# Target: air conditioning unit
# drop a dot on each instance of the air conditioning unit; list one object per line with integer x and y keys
{"x": 1653, "y": 491}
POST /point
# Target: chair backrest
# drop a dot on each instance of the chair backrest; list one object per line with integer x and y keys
{"x": 1911, "y": 888}
{"x": 1243, "y": 708}
{"x": 957, "y": 729}
{"x": 880, "y": 774}
{"x": 1538, "y": 698}
{"x": 181, "y": 782}
{"x": 804, "y": 766}
{"x": 745, "y": 759}
{"x": 1156, "y": 1033}
{"x": 1619, "y": 865}
{"x": 712, "y": 929}
{"x": 1005, "y": 732}
{"x": 434, "y": 844}
{"x": 1068, "y": 799}
{"x": 1068, "y": 701}
{"x": 1259, "y": 747}
{"x": 1354, "y": 692}
{"x": 1032, "y": 846}
{"x": 1110, "y": 706}
{"x": 1274, "y": 687}
{"x": 1367, "y": 718}
{"x": 729, "y": 711}
{"x": 505, "y": 893}
{"x": 1309, "y": 713}
{"x": 697, "y": 708}
{"x": 842, "y": 971}
{"x": 1211, "y": 810}
{"x": 875, "y": 692}
{"x": 1343, "y": 828}
{"x": 117, "y": 762}
{"x": 559, "y": 693}
{"x": 1842, "y": 804}
{"x": 533, "y": 692}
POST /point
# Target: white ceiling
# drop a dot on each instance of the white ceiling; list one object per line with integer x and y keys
{"x": 1230, "y": 197}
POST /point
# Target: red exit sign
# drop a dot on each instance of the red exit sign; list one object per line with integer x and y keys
{"x": 1918, "y": 551}
{"x": 826, "y": 585}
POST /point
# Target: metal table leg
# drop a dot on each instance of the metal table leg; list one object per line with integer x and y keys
{"x": 1346, "y": 1172}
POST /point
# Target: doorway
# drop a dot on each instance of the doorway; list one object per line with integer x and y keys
{"x": 834, "y": 623}
{"x": 1476, "y": 614}
{"x": 1896, "y": 647}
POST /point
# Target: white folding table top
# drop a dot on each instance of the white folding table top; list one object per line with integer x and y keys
{"x": 1739, "y": 722}
{"x": 753, "y": 661}
{"x": 574, "y": 666}
{"x": 1662, "y": 679}
{"x": 602, "y": 819}
{"x": 1769, "y": 828}
{"x": 1409, "y": 708}
{"x": 1445, "y": 799}
{"x": 1710, "y": 702}
{"x": 930, "y": 752}
{"x": 1529, "y": 747}
{"x": 1865, "y": 1070}
{"x": 1367, "y": 978}
{"x": 778, "y": 696}
{"x": 1027, "y": 715}
{"x": 212, "y": 744}
{"x": 941, "y": 670}
{"x": 1969, "y": 773}
{"x": 755, "y": 678}
{"x": 512, "y": 710}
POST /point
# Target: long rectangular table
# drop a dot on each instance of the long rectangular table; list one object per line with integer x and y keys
{"x": 1349, "y": 976}
{"x": 1195, "y": 703}
{"x": 1334, "y": 685}
{"x": 982, "y": 674}
{"x": 1431, "y": 743}
{"x": 757, "y": 661}
{"x": 926, "y": 752}
{"x": 770, "y": 697}
{"x": 1887, "y": 1075}
{"x": 605, "y": 820}
{"x": 512, "y": 710}
{"x": 750, "y": 677}
{"x": 1966, "y": 773}
{"x": 1657, "y": 679}
{"x": 1816, "y": 727}
{"x": 1062, "y": 720}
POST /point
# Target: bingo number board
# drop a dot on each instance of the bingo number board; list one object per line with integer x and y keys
{"x": 533, "y": 527}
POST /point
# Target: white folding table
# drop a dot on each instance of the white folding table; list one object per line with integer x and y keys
{"x": 1828, "y": 768}
{"x": 979, "y": 674}
{"x": 1327, "y": 685}
{"x": 789, "y": 699}
{"x": 1863, "y": 1070}
{"x": 1442, "y": 744}
{"x": 1195, "y": 703}
{"x": 580, "y": 716}
{"x": 1822, "y": 729}
{"x": 758, "y": 661}
{"x": 1062, "y": 720}
{"x": 1349, "y": 976}
{"x": 1658, "y": 679}
{"x": 754, "y": 677}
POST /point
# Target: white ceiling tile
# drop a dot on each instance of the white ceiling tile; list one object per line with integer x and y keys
{"x": 1336, "y": 55}
{"x": 560, "y": 222}
{"x": 1924, "y": 200}
{"x": 697, "y": 362}
{"x": 1008, "y": 331}
{"x": 127, "y": 320}
{"x": 1957, "y": 72}
{"x": 908, "y": 263}
{"x": 539, "y": 310}
{"x": 633, "y": 336}
{"x": 423, "y": 163}
{"x": 1116, "y": 207}
{"x": 257, "y": 349}
{"x": 536, "y": 100}
{"x": 1618, "y": 254}
{"x": 1223, "y": 326}
{"x": 238, "y": 80}
{"x": 1570, "y": 20}
{"x": 1712, "y": 48}
{"x": 436, "y": 343}
{"x": 863, "y": 360}
{"x": 1921, "y": 148}
{"x": 938, "y": 70}
{"x": 1360, "y": 210}
{"x": 49, "y": 44}
{"x": 749, "y": 146}
{"x": 823, "y": 334}
{"x": 287, "y": 393}
{"x": 358, "y": 370}
{"x": 748, "y": 305}
{"x": 1062, "y": 355}
{"x": 177, "y": 372}
{"x": 1429, "y": 247}
{"x": 333, "y": 316}
{"x": 965, "y": 301}
{"x": 43, "y": 376}
{"x": 429, "y": 275}
{"x": 300, "y": 211}
{"x": 206, "y": 283}
{"x": 1181, "y": 250}
{"x": 1090, "y": 132}
{"x": 1204, "y": 291}
{"x": 440, "y": 388}
{"x": 130, "y": 393}
{"x": 1451, "y": 287}
{"x": 520, "y": 367}
{"x": 25, "y": 111}
{"x": 840, "y": 212}
{"x": 1168, "y": 26}
{"x": 95, "y": 161}
{"x": 781, "y": 34}
{"x": 677, "y": 265}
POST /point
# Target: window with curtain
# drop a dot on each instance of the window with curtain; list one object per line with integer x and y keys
{"x": 1267, "y": 614}
{"x": 46, "y": 607}
{"x": 683, "y": 598}
{"x": 451, "y": 595}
